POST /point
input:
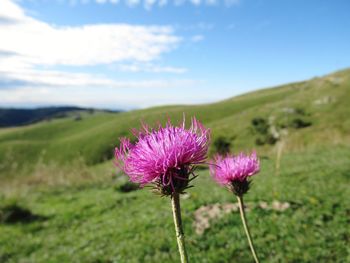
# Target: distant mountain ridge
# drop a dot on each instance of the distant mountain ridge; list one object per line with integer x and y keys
{"x": 11, "y": 117}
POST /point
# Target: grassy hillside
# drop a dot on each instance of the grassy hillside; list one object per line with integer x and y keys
{"x": 61, "y": 199}
{"x": 322, "y": 102}
{"x": 98, "y": 223}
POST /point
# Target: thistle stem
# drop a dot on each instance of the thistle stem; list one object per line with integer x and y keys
{"x": 175, "y": 203}
{"x": 246, "y": 228}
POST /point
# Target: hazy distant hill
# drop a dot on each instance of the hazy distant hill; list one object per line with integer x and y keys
{"x": 10, "y": 117}
{"x": 304, "y": 114}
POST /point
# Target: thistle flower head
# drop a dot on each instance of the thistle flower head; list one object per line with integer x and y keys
{"x": 234, "y": 170}
{"x": 164, "y": 156}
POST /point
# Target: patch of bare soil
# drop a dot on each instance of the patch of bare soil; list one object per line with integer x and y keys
{"x": 208, "y": 214}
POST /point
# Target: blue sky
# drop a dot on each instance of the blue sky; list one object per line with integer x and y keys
{"x": 139, "y": 53}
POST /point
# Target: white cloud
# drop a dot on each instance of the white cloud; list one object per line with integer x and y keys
{"x": 28, "y": 43}
{"x": 179, "y": 2}
{"x": 136, "y": 67}
{"x": 148, "y": 4}
{"x": 197, "y": 38}
{"x": 132, "y": 3}
{"x": 201, "y": 26}
{"x": 196, "y": 2}
{"x": 162, "y": 3}
{"x": 39, "y": 43}
{"x": 230, "y": 3}
{"x": 211, "y": 2}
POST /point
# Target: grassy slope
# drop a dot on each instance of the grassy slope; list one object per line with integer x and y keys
{"x": 96, "y": 223}
{"x": 94, "y": 137}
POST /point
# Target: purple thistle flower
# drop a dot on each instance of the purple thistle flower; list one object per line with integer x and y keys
{"x": 234, "y": 171}
{"x": 164, "y": 156}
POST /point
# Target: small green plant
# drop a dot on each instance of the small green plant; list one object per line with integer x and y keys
{"x": 299, "y": 123}
{"x": 107, "y": 154}
{"x": 13, "y": 213}
{"x": 222, "y": 145}
{"x": 260, "y": 125}
{"x": 263, "y": 129}
{"x": 127, "y": 187}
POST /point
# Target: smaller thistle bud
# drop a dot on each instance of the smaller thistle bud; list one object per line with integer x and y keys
{"x": 234, "y": 171}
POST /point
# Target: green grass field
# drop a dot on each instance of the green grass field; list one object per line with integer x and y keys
{"x": 96, "y": 223}
{"x": 60, "y": 176}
